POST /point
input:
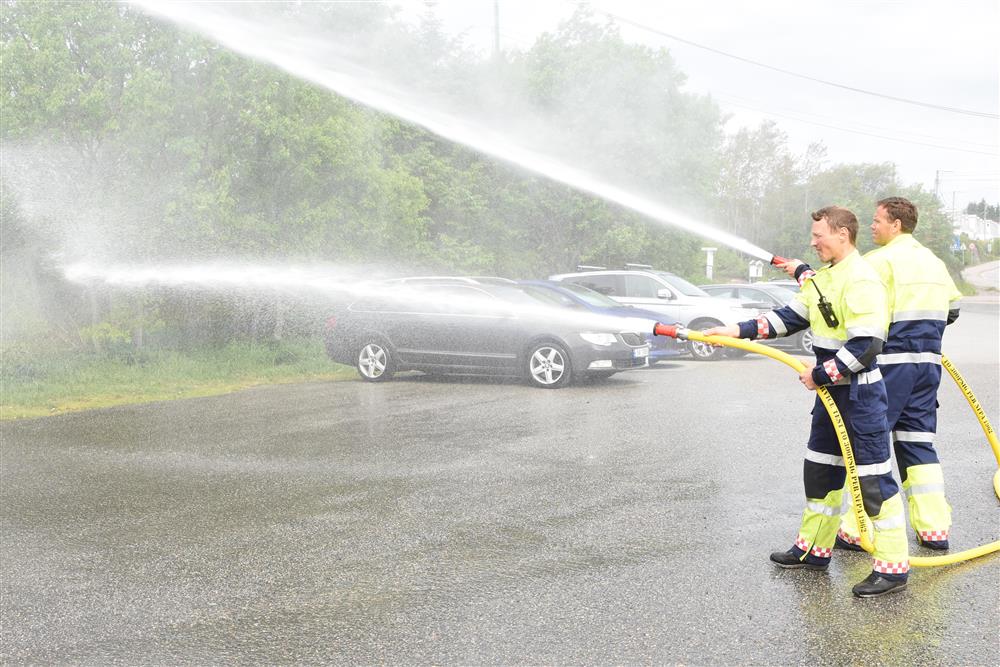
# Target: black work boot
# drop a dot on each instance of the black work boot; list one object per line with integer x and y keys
{"x": 841, "y": 543}
{"x": 875, "y": 585}
{"x": 790, "y": 561}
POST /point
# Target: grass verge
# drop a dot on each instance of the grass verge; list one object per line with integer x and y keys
{"x": 40, "y": 386}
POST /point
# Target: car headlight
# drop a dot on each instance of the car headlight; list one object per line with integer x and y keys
{"x": 599, "y": 338}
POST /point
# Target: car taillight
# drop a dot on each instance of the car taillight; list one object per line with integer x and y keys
{"x": 331, "y": 323}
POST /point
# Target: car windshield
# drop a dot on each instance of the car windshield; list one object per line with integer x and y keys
{"x": 589, "y": 296}
{"x": 517, "y": 296}
{"x": 549, "y": 297}
{"x": 681, "y": 285}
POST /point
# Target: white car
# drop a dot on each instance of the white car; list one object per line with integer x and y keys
{"x": 679, "y": 301}
{"x": 767, "y": 296}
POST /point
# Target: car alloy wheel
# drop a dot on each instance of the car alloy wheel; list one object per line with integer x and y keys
{"x": 548, "y": 366}
{"x": 806, "y": 341}
{"x": 375, "y": 362}
{"x": 704, "y": 351}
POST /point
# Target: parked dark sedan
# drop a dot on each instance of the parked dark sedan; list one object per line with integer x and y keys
{"x": 580, "y": 298}
{"x": 767, "y": 296}
{"x": 470, "y": 327}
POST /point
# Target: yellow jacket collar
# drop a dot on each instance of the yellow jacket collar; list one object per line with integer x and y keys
{"x": 849, "y": 258}
{"x": 900, "y": 239}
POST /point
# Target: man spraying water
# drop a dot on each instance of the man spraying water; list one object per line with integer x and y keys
{"x": 922, "y": 300}
{"x": 845, "y": 304}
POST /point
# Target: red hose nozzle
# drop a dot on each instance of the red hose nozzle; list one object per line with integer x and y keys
{"x": 673, "y": 330}
{"x": 778, "y": 261}
{"x": 660, "y": 329}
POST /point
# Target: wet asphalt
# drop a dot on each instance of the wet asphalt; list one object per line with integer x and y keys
{"x": 473, "y": 522}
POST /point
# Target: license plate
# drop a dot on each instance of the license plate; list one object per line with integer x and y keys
{"x": 640, "y": 352}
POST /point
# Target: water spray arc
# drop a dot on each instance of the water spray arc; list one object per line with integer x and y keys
{"x": 254, "y": 41}
{"x": 330, "y": 284}
{"x": 853, "y": 481}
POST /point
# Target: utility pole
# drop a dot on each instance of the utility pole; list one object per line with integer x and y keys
{"x": 937, "y": 181}
{"x": 496, "y": 29}
{"x": 709, "y": 261}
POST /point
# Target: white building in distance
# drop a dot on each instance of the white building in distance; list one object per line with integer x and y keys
{"x": 976, "y": 228}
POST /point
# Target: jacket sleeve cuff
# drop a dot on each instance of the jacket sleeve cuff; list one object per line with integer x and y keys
{"x": 802, "y": 276}
{"x": 826, "y": 373}
{"x": 748, "y": 329}
{"x": 800, "y": 269}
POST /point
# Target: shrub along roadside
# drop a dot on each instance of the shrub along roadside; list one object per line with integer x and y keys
{"x": 40, "y": 385}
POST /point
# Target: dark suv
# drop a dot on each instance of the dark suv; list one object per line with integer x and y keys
{"x": 577, "y": 297}
{"x": 476, "y": 327}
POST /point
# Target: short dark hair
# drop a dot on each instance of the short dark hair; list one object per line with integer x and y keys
{"x": 839, "y": 217}
{"x": 901, "y": 209}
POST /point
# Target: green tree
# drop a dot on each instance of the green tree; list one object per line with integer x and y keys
{"x": 757, "y": 173}
{"x": 984, "y": 210}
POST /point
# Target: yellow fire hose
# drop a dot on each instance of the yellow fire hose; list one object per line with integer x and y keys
{"x": 853, "y": 483}
{"x": 991, "y": 435}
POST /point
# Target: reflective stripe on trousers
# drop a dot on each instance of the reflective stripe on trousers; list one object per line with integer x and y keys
{"x": 909, "y": 358}
{"x": 820, "y": 520}
{"x": 929, "y": 510}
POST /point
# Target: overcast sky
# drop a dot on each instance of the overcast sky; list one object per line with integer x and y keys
{"x": 938, "y": 53}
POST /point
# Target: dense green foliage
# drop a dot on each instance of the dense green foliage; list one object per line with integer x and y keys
{"x": 129, "y": 140}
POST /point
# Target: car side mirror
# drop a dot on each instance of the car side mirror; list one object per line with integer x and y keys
{"x": 664, "y": 294}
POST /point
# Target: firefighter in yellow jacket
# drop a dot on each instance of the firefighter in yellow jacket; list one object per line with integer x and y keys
{"x": 845, "y": 304}
{"x": 923, "y": 300}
